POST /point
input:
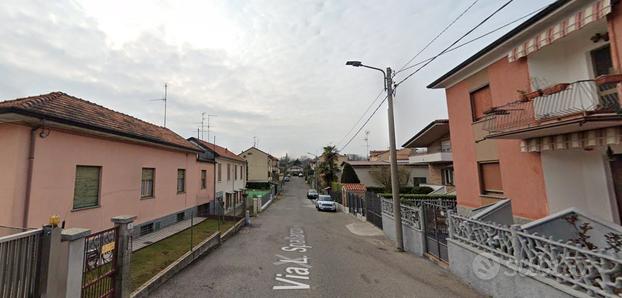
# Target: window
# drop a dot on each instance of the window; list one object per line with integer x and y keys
{"x": 447, "y": 175}
{"x": 86, "y": 189}
{"x": 490, "y": 178}
{"x": 235, "y": 172}
{"x": 419, "y": 180}
{"x": 146, "y": 229}
{"x": 219, "y": 172}
{"x": 228, "y": 172}
{"x": 242, "y": 172}
{"x": 146, "y": 184}
{"x": 181, "y": 180}
{"x": 481, "y": 101}
{"x": 446, "y": 146}
{"x": 203, "y": 179}
{"x": 181, "y": 216}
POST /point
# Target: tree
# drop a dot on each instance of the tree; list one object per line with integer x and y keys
{"x": 349, "y": 175}
{"x": 297, "y": 162}
{"x": 328, "y": 165}
{"x": 382, "y": 175}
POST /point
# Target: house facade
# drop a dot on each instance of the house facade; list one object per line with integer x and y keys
{"x": 230, "y": 173}
{"x": 261, "y": 166}
{"x": 89, "y": 166}
{"x": 535, "y": 116}
{"x": 432, "y": 147}
{"x": 371, "y": 173}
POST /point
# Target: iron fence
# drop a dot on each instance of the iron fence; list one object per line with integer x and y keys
{"x": 19, "y": 262}
{"x": 100, "y": 257}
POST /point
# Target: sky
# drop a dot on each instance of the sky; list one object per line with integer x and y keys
{"x": 271, "y": 70}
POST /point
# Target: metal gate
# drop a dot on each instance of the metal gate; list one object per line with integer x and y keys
{"x": 436, "y": 229}
{"x": 100, "y": 263}
{"x": 356, "y": 204}
{"x": 373, "y": 205}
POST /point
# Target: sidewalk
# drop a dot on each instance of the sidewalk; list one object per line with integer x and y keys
{"x": 146, "y": 240}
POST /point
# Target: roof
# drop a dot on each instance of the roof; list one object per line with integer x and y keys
{"x": 368, "y": 163}
{"x": 69, "y": 110}
{"x": 253, "y": 147}
{"x": 353, "y": 187}
{"x": 432, "y": 132}
{"x": 538, "y": 16}
{"x": 220, "y": 151}
{"x": 402, "y": 154}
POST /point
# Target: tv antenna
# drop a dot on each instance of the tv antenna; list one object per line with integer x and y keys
{"x": 366, "y": 139}
{"x": 165, "y": 100}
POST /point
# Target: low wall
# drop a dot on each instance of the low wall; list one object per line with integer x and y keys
{"x": 414, "y": 239}
{"x": 493, "y": 277}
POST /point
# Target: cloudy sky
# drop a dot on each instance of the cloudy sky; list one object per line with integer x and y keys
{"x": 270, "y": 69}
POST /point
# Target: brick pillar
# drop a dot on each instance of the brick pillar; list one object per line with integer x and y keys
{"x": 123, "y": 280}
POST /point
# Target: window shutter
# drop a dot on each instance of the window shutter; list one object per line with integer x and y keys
{"x": 86, "y": 191}
{"x": 491, "y": 177}
{"x": 481, "y": 101}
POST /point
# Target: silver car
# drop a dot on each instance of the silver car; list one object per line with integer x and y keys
{"x": 325, "y": 202}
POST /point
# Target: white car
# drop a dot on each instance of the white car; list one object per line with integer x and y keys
{"x": 325, "y": 202}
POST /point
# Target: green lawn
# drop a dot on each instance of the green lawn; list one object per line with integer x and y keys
{"x": 152, "y": 259}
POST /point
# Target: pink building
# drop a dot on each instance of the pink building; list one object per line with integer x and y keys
{"x": 65, "y": 156}
{"x": 535, "y": 116}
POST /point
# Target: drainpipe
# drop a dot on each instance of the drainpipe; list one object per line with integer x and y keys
{"x": 31, "y": 161}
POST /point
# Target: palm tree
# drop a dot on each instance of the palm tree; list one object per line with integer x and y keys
{"x": 328, "y": 166}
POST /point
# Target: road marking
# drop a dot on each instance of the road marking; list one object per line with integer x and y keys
{"x": 298, "y": 266}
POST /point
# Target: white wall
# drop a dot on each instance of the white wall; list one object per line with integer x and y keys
{"x": 568, "y": 59}
{"x": 581, "y": 179}
{"x": 233, "y": 184}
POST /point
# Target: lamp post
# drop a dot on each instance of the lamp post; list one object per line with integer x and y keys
{"x": 395, "y": 187}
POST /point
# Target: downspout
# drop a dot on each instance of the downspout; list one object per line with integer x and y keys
{"x": 31, "y": 161}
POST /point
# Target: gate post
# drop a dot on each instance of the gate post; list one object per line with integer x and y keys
{"x": 49, "y": 252}
{"x": 75, "y": 260}
{"x": 122, "y": 279}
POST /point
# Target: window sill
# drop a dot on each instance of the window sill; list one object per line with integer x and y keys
{"x": 181, "y": 192}
{"x": 147, "y": 198}
{"x": 85, "y": 208}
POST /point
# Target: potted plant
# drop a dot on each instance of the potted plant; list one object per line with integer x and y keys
{"x": 609, "y": 79}
{"x": 527, "y": 96}
{"x": 555, "y": 88}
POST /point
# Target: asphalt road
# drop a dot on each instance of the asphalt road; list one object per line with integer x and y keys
{"x": 292, "y": 250}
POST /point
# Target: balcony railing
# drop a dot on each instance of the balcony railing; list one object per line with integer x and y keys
{"x": 561, "y": 101}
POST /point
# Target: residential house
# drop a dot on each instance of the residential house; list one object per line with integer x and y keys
{"x": 402, "y": 154}
{"x": 261, "y": 166}
{"x": 230, "y": 178}
{"x": 432, "y": 147}
{"x": 534, "y": 116}
{"x": 66, "y": 156}
{"x": 276, "y": 171}
{"x": 368, "y": 172}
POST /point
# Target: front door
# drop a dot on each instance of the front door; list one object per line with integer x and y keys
{"x": 616, "y": 175}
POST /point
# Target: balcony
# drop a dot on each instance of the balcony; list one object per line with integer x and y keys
{"x": 560, "y": 109}
{"x": 430, "y": 157}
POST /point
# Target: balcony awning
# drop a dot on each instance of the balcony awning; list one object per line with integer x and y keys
{"x": 578, "y": 140}
{"x": 594, "y": 11}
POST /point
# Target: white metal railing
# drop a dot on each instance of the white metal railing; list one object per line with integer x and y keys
{"x": 594, "y": 272}
{"x": 411, "y": 216}
{"x": 19, "y": 260}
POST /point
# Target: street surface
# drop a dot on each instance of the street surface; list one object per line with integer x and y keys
{"x": 292, "y": 250}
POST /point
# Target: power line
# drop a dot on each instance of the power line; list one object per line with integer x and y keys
{"x": 362, "y": 116}
{"x": 479, "y": 37}
{"x": 362, "y": 126}
{"x": 455, "y": 42}
{"x": 437, "y": 36}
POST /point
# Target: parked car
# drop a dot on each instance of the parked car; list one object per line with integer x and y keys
{"x": 300, "y": 175}
{"x": 325, "y": 202}
{"x": 286, "y": 179}
{"x": 312, "y": 194}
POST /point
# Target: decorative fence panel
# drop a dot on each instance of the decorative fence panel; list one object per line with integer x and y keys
{"x": 411, "y": 216}
{"x": 594, "y": 272}
{"x": 19, "y": 261}
{"x": 100, "y": 262}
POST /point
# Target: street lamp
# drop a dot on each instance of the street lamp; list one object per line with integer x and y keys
{"x": 395, "y": 187}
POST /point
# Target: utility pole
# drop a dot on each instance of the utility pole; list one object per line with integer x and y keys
{"x": 395, "y": 185}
